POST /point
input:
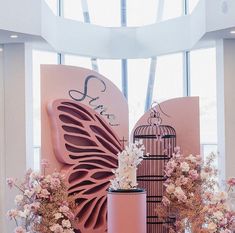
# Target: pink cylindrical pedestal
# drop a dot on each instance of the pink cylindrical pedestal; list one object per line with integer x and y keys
{"x": 127, "y": 211}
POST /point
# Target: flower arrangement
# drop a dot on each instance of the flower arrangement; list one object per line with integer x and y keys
{"x": 192, "y": 198}
{"x": 128, "y": 160}
{"x": 43, "y": 205}
{"x": 219, "y": 217}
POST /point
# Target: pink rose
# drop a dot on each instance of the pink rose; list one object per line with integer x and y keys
{"x": 56, "y": 228}
{"x": 182, "y": 180}
{"x": 20, "y": 230}
{"x": 44, "y": 163}
{"x": 70, "y": 215}
{"x": 10, "y": 182}
{"x": 35, "y": 206}
{"x": 179, "y": 193}
{"x": 12, "y": 213}
{"x": 168, "y": 172}
{"x": 165, "y": 201}
{"x": 64, "y": 209}
{"x": 226, "y": 231}
{"x": 170, "y": 166}
{"x": 224, "y": 221}
{"x": 44, "y": 193}
{"x": 231, "y": 181}
{"x": 184, "y": 166}
{"x": 193, "y": 174}
{"x": 177, "y": 150}
{"x": 199, "y": 157}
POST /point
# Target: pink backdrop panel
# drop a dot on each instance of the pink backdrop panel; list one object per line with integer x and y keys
{"x": 184, "y": 117}
{"x": 87, "y": 147}
{"x": 86, "y": 87}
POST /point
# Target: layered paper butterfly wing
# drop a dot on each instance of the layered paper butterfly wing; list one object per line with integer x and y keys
{"x": 87, "y": 147}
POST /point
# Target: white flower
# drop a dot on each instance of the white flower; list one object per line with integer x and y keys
{"x": 58, "y": 215}
{"x": 179, "y": 193}
{"x": 165, "y": 201}
{"x": 128, "y": 160}
{"x": 18, "y": 199}
{"x": 12, "y": 213}
{"x": 56, "y": 228}
{"x": 28, "y": 193}
{"x": 219, "y": 215}
{"x": 204, "y": 175}
{"x": 48, "y": 178}
{"x": 64, "y": 209}
{"x": 24, "y": 214}
{"x": 68, "y": 231}
{"x": 192, "y": 158}
{"x": 44, "y": 193}
{"x": 170, "y": 188}
{"x": 221, "y": 196}
{"x": 37, "y": 188}
{"x": 34, "y": 175}
{"x": 184, "y": 167}
{"x": 66, "y": 223}
{"x": 212, "y": 227}
{"x": 35, "y": 206}
{"x": 226, "y": 231}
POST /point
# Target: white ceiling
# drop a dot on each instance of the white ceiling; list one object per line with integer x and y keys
{"x": 35, "y": 22}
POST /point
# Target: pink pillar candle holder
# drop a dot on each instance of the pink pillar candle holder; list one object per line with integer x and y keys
{"x": 127, "y": 211}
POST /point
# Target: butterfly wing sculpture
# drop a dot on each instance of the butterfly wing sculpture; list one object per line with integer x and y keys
{"x": 87, "y": 147}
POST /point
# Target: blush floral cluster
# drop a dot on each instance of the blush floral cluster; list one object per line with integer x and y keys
{"x": 219, "y": 216}
{"x": 42, "y": 205}
{"x": 191, "y": 197}
{"x": 128, "y": 160}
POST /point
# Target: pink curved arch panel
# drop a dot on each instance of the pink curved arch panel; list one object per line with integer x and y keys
{"x": 87, "y": 148}
{"x": 83, "y": 86}
{"x": 184, "y": 118}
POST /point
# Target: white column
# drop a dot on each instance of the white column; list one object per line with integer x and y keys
{"x": 2, "y": 147}
{"x": 226, "y": 106}
{"x": 15, "y": 120}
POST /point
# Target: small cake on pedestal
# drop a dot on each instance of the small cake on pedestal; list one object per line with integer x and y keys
{"x": 128, "y": 160}
{"x": 126, "y": 203}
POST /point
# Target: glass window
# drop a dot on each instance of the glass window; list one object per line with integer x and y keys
{"x": 73, "y": 60}
{"x": 203, "y": 84}
{"x": 104, "y": 12}
{"x": 39, "y": 57}
{"x": 169, "y": 77}
{"x": 111, "y": 69}
{"x": 146, "y": 9}
{"x": 138, "y": 73}
{"x": 73, "y": 10}
{"x": 172, "y": 9}
{"x": 192, "y": 4}
{"x": 53, "y": 5}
